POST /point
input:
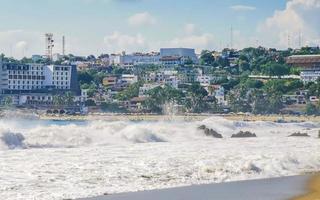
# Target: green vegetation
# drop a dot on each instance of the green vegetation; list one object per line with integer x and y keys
{"x": 130, "y": 92}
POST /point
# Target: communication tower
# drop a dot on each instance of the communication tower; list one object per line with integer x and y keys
{"x": 49, "y": 45}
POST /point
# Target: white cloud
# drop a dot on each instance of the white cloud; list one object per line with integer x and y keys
{"x": 190, "y": 29}
{"x": 199, "y": 41}
{"x": 20, "y": 43}
{"x": 117, "y": 42}
{"x": 141, "y": 19}
{"x": 243, "y": 8}
{"x": 298, "y": 16}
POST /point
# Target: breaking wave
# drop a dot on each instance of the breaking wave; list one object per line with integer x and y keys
{"x": 12, "y": 140}
{"x": 37, "y": 134}
{"x": 86, "y": 159}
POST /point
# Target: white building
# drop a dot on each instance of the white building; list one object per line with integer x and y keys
{"x": 168, "y": 77}
{"x": 129, "y": 78}
{"x": 184, "y": 53}
{"x": 310, "y": 75}
{"x": 218, "y": 92}
{"x": 20, "y": 78}
{"x": 126, "y": 60}
{"x": 171, "y": 61}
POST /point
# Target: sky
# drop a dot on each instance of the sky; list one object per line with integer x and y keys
{"x": 112, "y": 26}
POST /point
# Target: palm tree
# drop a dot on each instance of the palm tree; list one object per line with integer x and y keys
{"x": 7, "y": 101}
{"x": 69, "y": 98}
{"x": 58, "y": 100}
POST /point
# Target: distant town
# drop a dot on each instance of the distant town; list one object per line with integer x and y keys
{"x": 171, "y": 81}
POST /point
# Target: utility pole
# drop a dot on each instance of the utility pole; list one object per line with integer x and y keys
{"x": 63, "y": 45}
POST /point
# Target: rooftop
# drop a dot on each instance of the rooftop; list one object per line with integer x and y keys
{"x": 303, "y": 59}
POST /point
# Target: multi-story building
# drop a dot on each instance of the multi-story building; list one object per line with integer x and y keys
{"x": 184, "y": 54}
{"x": 37, "y": 84}
{"x": 20, "y": 78}
{"x": 167, "y": 57}
{"x": 127, "y": 60}
{"x": 171, "y": 61}
{"x": 129, "y": 78}
{"x": 310, "y": 65}
{"x": 166, "y": 77}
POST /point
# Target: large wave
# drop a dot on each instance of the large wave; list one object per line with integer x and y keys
{"x": 37, "y": 134}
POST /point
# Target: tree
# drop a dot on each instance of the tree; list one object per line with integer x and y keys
{"x": 239, "y": 99}
{"x": 311, "y": 109}
{"x": 207, "y": 58}
{"x": 69, "y": 98}
{"x": 196, "y": 94}
{"x": 244, "y": 66}
{"x": 7, "y": 101}
{"x": 84, "y": 77}
{"x": 274, "y": 69}
{"x": 130, "y": 92}
{"x": 275, "y": 86}
{"x": 58, "y": 100}
{"x": 274, "y": 103}
{"x": 160, "y": 96}
{"x": 259, "y": 102}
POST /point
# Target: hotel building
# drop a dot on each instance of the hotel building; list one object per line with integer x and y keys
{"x": 28, "y": 78}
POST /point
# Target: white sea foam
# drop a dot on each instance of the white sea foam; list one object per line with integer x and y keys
{"x": 41, "y": 160}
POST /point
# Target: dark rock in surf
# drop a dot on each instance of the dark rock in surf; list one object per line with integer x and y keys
{"x": 244, "y": 134}
{"x": 202, "y": 127}
{"x": 210, "y": 132}
{"x": 299, "y": 135}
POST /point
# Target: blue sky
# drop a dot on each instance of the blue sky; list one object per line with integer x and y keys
{"x": 105, "y": 26}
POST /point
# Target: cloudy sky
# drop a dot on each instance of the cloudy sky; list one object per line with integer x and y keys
{"x": 106, "y": 26}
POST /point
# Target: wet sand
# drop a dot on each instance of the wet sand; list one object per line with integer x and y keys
{"x": 267, "y": 189}
{"x": 313, "y": 190}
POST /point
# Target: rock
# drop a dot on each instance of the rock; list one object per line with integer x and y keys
{"x": 212, "y": 133}
{"x": 242, "y": 134}
{"x": 299, "y": 135}
{"x": 202, "y": 127}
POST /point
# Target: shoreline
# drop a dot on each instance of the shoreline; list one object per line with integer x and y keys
{"x": 304, "y": 187}
{"x": 190, "y": 117}
{"x": 313, "y": 188}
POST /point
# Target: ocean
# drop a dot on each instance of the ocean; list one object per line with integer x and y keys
{"x": 74, "y": 159}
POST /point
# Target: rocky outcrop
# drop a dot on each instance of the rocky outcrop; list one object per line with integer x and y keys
{"x": 210, "y": 132}
{"x": 298, "y": 134}
{"x": 202, "y": 127}
{"x": 244, "y": 134}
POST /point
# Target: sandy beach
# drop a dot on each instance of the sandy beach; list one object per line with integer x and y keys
{"x": 313, "y": 189}
{"x": 187, "y": 117}
{"x": 265, "y": 189}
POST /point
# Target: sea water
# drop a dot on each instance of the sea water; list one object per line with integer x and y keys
{"x": 73, "y": 159}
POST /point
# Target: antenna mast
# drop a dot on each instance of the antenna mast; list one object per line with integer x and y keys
{"x": 49, "y": 45}
{"x": 63, "y": 45}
